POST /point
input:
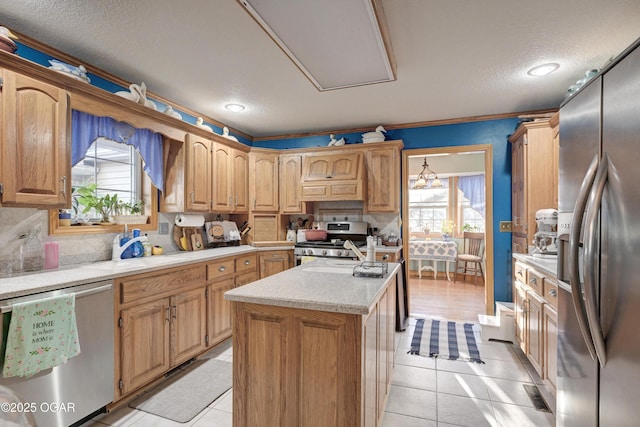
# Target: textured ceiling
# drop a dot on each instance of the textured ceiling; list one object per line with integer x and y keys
{"x": 455, "y": 58}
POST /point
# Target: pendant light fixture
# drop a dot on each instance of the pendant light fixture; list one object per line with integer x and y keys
{"x": 422, "y": 180}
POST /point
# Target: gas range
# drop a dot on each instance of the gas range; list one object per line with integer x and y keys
{"x": 333, "y": 246}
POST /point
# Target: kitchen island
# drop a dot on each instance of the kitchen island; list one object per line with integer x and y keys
{"x": 313, "y": 345}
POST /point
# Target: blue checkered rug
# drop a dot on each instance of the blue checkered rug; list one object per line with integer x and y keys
{"x": 446, "y": 340}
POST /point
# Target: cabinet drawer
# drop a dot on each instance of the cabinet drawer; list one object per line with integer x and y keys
{"x": 550, "y": 292}
{"x": 535, "y": 280}
{"x": 220, "y": 269}
{"x": 138, "y": 287}
{"x": 243, "y": 279}
{"x": 246, "y": 263}
{"x": 520, "y": 272}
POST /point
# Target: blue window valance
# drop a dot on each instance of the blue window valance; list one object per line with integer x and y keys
{"x": 86, "y": 128}
{"x": 473, "y": 188}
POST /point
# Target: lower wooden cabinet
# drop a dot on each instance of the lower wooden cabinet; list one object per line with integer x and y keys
{"x": 272, "y": 262}
{"x": 223, "y": 275}
{"x": 169, "y": 316}
{"x": 550, "y": 326}
{"x": 162, "y": 329}
{"x": 535, "y": 302}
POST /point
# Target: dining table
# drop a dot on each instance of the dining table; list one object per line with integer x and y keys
{"x": 434, "y": 251}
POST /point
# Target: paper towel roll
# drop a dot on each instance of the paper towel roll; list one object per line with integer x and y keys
{"x": 371, "y": 249}
{"x": 189, "y": 220}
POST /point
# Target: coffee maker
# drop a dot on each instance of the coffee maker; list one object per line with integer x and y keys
{"x": 544, "y": 240}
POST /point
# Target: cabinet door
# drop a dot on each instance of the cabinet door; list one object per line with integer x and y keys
{"x": 198, "y": 186}
{"x": 290, "y": 189}
{"x": 240, "y": 183}
{"x": 520, "y": 295}
{"x": 518, "y": 215}
{"x": 221, "y": 177}
{"x": 383, "y": 180}
{"x": 323, "y": 167}
{"x": 188, "y": 325}
{"x": 35, "y": 143}
{"x": 219, "y": 311}
{"x": 550, "y": 333}
{"x": 174, "y": 197}
{"x": 535, "y": 342}
{"x": 272, "y": 262}
{"x": 263, "y": 188}
{"x": 144, "y": 349}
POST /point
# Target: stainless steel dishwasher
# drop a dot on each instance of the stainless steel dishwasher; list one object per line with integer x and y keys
{"x": 68, "y": 393}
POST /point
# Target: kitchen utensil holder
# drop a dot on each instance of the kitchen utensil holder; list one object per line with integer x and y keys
{"x": 371, "y": 269}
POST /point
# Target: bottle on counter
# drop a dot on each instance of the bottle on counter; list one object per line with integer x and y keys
{"x": 146, "y": 245}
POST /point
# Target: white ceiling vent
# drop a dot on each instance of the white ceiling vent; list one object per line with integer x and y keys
{"x": 335, "y": 43}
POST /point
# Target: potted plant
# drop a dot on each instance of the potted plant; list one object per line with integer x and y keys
{"x": 447, "y": 229}
{"x": 130, "y": 213}
{"x": 102, "y": 205}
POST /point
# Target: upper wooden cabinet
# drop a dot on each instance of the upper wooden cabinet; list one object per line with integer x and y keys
{"x": 199, "y": 174}
{"x": 202, "y": 175}
{"x": 230, "y": 179}
{"x": 290, "y": 189}
{"x": 35, "y": 144}
{"x": 263, "y": 181}
{"x": 383, "y": 179}
{"x": 331, "y": 177}
{"x": 534, "y": 178}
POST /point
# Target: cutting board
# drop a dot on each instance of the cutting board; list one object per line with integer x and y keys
{"x": 188, "y": 233}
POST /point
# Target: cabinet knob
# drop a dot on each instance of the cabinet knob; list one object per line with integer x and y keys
{"x": 553, "y": 293}
{"x": 533, "y": 280}
{"x": 222, "y": 268}
{"x": 247, "y": 262}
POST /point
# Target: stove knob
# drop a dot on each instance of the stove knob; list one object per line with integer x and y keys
{"x": 324, "y": 252}
{"x": 304, "y": 252}
{"x": 309, "y": 252}
{"x": 339, "y": 253}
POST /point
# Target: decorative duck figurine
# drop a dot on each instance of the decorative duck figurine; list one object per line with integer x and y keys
{"x": 335, "y": 142}
{"x": 225, "y": 133}
{"x": 375, "y": 136}
{"x": 200, "y": 124}
{"x": 142, "y": 89}
{"x": 6, "y": 42}
{"x": 171, "y": 112}
{"x": 133, "y": 94}
{"x": 5, "y": 32}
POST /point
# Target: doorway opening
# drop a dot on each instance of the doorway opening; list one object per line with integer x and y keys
{"x": 444, "y": 205}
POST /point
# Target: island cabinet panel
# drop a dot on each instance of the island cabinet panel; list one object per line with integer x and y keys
{"x": 370, "y": 370}
{"x": 307, "y": 362}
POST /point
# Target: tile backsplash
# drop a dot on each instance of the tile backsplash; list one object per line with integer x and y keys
{"x": 77, "y": 249}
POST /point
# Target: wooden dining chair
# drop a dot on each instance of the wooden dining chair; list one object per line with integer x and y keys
{"x": 469, "y": 262}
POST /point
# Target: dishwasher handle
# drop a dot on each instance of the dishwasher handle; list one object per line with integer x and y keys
{"x": 81, "y": 293}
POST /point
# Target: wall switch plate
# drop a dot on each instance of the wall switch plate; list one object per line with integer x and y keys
{"x": 163, "y": 228}
{"x": 505, "y": 226}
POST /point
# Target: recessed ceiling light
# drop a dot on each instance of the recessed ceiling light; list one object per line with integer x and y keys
{"x": 236, "y": 108}
{"x": 543, "y": 70}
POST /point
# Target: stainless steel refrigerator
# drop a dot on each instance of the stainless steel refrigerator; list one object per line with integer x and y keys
{"x": 599, "y": 256}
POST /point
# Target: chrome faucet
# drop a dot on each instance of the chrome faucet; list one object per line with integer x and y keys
{"x": 117, "y": 250}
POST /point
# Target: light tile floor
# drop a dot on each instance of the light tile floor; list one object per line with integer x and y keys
{"x": 425, "y": 392}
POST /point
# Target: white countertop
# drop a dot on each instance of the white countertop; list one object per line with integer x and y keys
{"x": 318, "y": 286}
{"x": 64, "y": 277}
{"x": 548, "y": 264}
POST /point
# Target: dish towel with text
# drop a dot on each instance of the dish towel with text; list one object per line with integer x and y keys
{"x": 42, "y": 334}
{"x": 445, "y": 339}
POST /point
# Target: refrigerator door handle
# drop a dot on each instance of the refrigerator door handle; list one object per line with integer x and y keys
{"x": 574, "y": 247}
{"x": 591, "y": 257}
